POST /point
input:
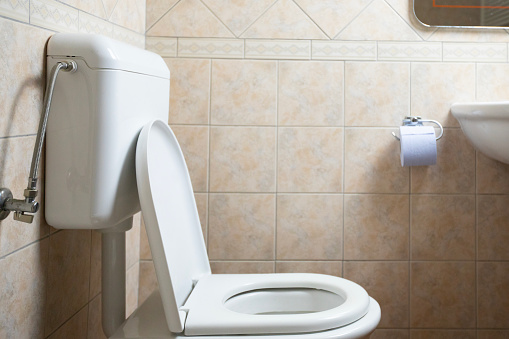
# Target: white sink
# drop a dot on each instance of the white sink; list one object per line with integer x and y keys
{"x": 486, "y": 125}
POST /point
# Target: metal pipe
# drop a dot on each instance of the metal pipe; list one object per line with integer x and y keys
{"x": 66, "y": 66}
{"x": 29, "y": 205}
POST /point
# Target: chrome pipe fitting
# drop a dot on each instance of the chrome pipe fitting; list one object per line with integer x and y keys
{"x": 29, "y": 205}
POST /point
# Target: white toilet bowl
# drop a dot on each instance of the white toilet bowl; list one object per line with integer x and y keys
{"x": 148, "y": 321}
{"x": 197, "y": 303}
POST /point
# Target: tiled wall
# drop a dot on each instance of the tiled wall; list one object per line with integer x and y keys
{"x": 50, "y": 282}
{"x": 284, "y": 110}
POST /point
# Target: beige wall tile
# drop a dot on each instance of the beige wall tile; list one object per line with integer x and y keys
{"x": 145, "y": 253}
{"x": 492, "y": 227}
{"x": 309, "y": 227}
{"x": 243, "y": 92}
{"x": 492, "y": 334}
{"x": 241, "y": 226}
{"x": 332, "y": 15}
{"x": 278, "y": 49}
{"x": 310, "y": 160}
{"x": 387, "y": 283}
{"x": 190, "y": 18}
{"x": 410, "y": 51}
{"x": 202, "y": 204}
{"x": 22, "y": 82}
{"x": 155, "y": 9}
{"x": 310, "y": 94}
{"x": 492, "y": 82}
{"x": 372, "y": 162}
{"x": 493, "y": 294}
{"x": 165, "y": 47}
{"x": 68, "y": 276}
{"x": 95, "y": 329}
{"x": 210, "y": 48}
{"x": 406, "y": 10}
{"x": 378, "y": 22}
{"x": 91, "y": 24}
{"x": 443, "y": 227}
{"x": 132, "y": 287}
{"x": 455, "y": 168}
{"x": 54, "y": 15}
{"x": 376, "y": 227}
{"x": 475, "y": 52}
{"x": 492, "y": 176}
{"x": 238, "y": 14}
{"x": 442, "y": 295}
{"x": 443, "y": 334}
{"x": 321, "y": 267}
{"x": 242, "y": 267}
{"x": 189, "y": 91}
{"x": 76, "y": 327}
{"x": 194, "y": 142}
{"x": 15, "y": 156}
{"x": 242, "y": 159}
{"x": 132, "y": 243}
{"x": 376, "y": 94}
{"x": 95, "y": 264}
{"x": 23, "y": 279}
{"x": 17, "y": 9}
{"x": 94, "y": 7}
{"x": 469, "y": 35}
{"x": 344, "y": 50}
{"x": 390, "y": 334}
{"x": 284, "y": 20}
{"x": 435, "y": 86}
{"x": 148, "y": 281}
{"x": 130, "y": 37}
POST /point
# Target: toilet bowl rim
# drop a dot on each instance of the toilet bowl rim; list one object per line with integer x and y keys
{"x": 212, "y": 291}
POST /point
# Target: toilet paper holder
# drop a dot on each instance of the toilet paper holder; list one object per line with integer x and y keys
{"x": 417, "y": 121}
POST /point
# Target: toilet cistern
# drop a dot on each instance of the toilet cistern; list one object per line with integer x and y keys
{"x": 28, "y": 205}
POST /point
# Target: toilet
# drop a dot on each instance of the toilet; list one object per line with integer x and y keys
{"x": 110, "y": 153}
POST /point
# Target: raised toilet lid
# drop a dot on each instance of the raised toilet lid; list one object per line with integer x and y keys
{"x": 171, "y": 219}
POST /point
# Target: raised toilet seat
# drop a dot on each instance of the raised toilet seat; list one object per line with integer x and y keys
{"x": 197, "y": 303}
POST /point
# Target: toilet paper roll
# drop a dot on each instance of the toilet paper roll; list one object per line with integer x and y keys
{"x": 418, "y": 145}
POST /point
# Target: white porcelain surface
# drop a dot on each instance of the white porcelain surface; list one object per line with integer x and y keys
{"x": 148, "y": 322}
{"x": 486, "y": 125}
{"x": 208, "y": 315}
{"x": 94, "y": 122}
{"x": 171, "y": 218}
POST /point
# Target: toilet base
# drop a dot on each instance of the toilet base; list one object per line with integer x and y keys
{"x": 149, "y": 321}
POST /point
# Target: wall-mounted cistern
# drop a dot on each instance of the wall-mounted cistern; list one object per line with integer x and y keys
{"x": 21, "y": 207}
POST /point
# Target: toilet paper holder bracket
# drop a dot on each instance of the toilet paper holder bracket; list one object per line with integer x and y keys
{"x": 418, "y": 121}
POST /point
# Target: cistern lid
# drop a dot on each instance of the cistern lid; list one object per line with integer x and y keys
{"x": 100, "y": 52}
{"x": 171, "y": 219}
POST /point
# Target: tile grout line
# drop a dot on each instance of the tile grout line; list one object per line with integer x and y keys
{"x": 344, "y": 173}
{"x": 209, "y": 129}
{"x": 278, "y": 69}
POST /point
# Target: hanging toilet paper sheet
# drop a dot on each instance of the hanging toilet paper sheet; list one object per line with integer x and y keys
{"x": 418, "y": 145}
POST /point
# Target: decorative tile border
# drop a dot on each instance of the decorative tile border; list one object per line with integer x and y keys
{"x": 166, "y": 47}
{"x": 211, "y": 48}
{"x": 15, "y": 9}
{"x": 92, "y": 24}
{"x": 408, "y": 51}
{"x": 128, "y": 36}
{"x": 54, "y": 15}
{"x": 278, "y": 49}
{"x": 471, "y": 52}
{"x": 344, "y": 50}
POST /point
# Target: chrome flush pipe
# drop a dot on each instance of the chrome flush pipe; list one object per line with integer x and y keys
{"x": 29, "y": 205}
